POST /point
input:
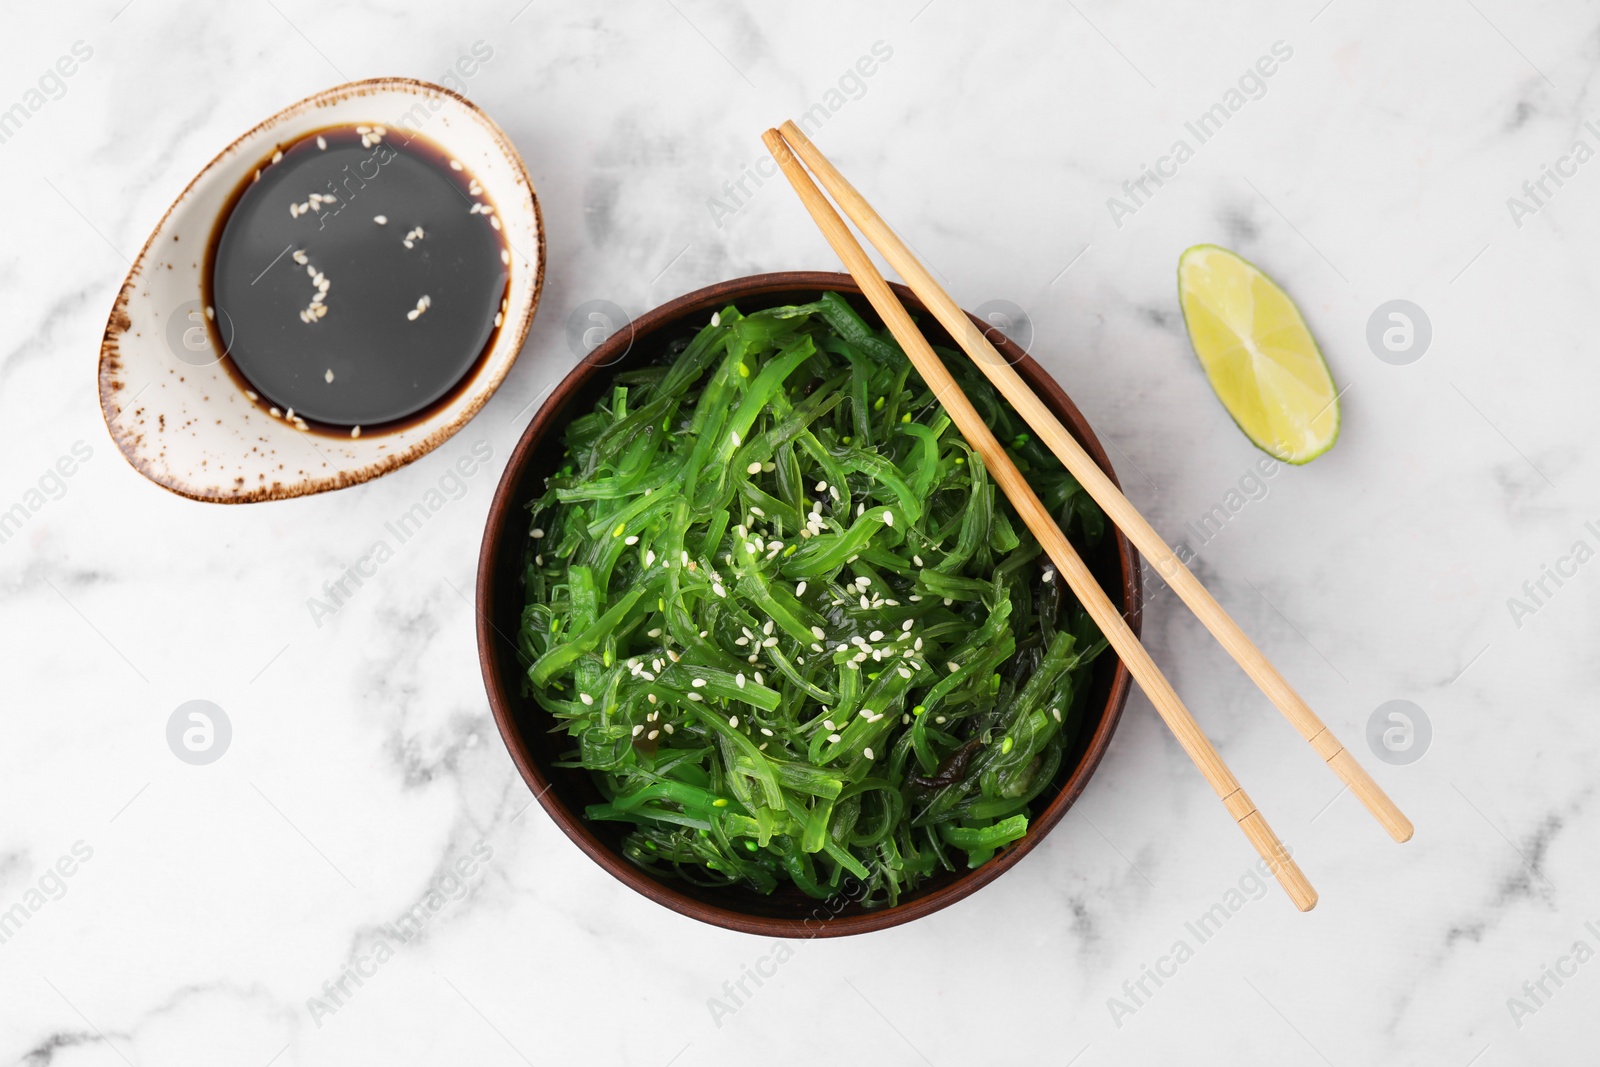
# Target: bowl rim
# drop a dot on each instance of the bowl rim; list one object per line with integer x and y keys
{"x": 118, "y": 323}
{"x": 505, "y": 506}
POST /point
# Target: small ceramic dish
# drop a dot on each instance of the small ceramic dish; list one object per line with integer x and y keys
{"x": 171, "y": 402}
{"x": 537, "y": 751}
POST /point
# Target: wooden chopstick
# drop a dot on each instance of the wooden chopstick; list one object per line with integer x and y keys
{"x": 1104, "y": 492}
{"x": 1038, "y": 519}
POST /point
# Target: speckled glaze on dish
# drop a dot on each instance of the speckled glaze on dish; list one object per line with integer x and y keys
{"x": 178, "y": 416}
{"x": 565, "y": 791}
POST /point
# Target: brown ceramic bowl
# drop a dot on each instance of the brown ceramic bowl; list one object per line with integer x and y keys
{"x": 526, "y": 728}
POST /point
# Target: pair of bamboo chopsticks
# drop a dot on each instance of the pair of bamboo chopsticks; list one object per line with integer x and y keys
{"x": 1105, "y": 492}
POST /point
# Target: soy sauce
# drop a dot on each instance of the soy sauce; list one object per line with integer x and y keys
{"x": 357, "y": 280}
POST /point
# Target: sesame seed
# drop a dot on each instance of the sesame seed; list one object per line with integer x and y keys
{"x": 650, "y": 558}
{"x": 696, "y": 697}
{"x": 906, "y": 625}
{"x": 733, "y": 721}
{"x": 717, "y": 588}
{"x": 800, "y": 590}
{"x": 716, "y": 318}
{"x": 322, "y": 144}
{"x": 938, "y": 718}
{"x": 652, "y": 735}
{"x": 867, "y": 752}
{"x": 876, "y": 635}
{"x": 917, "y": 560}
{"x": 631, "y": 539}
{"x": 757, "y": 511}
{"x": 766, "y": 732}
{"x": 918, "y": 645}
{"x": 954, "y": 666}
{"x": 381, "y": 220}
{"x": 1057, "y": 713}
{"x": 699, "y": 683}
{"x": 769, "y": 642}
{"x": 903, "y": 672}
{"x": 652, "y": 698}
{"x": 656, "y": 632}
{"x": 536, "y": 533}
{"x": 586, "y": 698}
{"x": 865, "y": 604}
{"x": 816, "y": 647}
{"x": 888, "y": 518}
{"x": 667, "y": 726}
{"x": 822, "y": 487}
{"x": 914, "y": 598}
{"x": 738, "y": 679}
{"x": 673, "y": 656}
{"x": 637, "y": 730}
{"x": 833, "y": 491}
{"x": 741, "y": 641}
{"x": 754, "y": 468}
{"x": 819, "y": 632}
{"x": 834, "y": 739}
{"x": 734, "y": 436}
{"x": 455, "y": 164}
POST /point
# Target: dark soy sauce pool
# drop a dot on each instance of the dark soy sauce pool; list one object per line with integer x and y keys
{"x": 357, "y": 278}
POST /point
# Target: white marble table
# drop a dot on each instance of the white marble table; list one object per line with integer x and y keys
{"x": 209, "y": 905}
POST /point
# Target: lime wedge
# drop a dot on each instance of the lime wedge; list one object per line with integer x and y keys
{"x": 1259, "y": 355}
